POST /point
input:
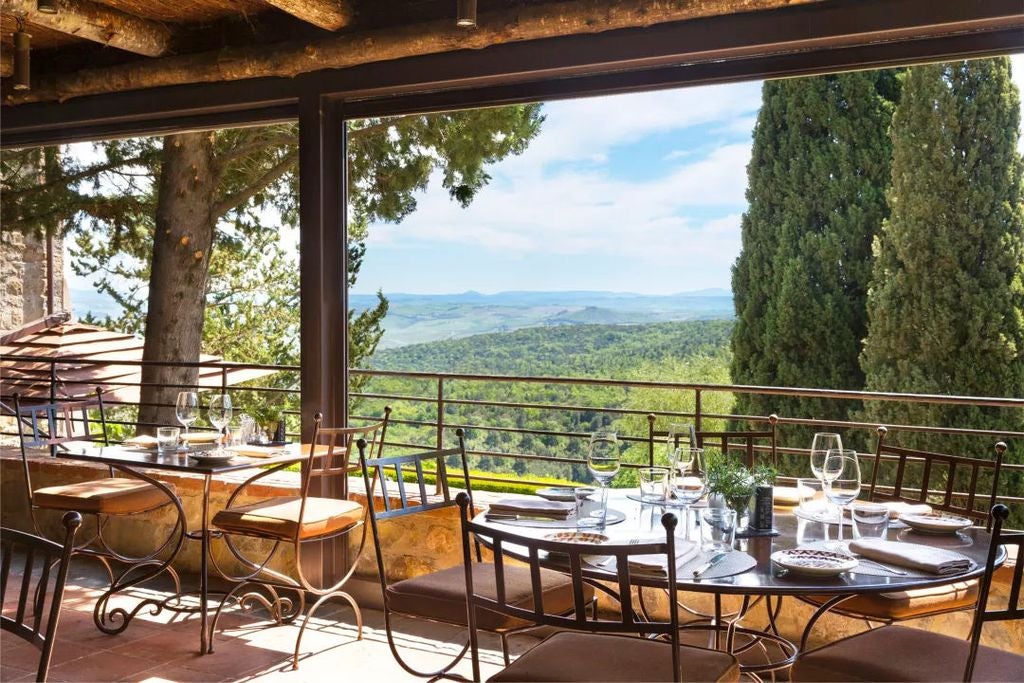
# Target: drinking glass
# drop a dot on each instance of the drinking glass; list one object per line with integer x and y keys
{"x": 653, "y": 484}
{"x": 842, "y": 483}
{"x": 603, "y": 463}
{"x": 823, "y": 442}
{"x": 688, "y": 481}
{"x": 718, "y": 529}
{"x": 187, "y": 411}
{"x": 167, "y": 439}
{"x": 870, "y": 520}
{"x": 219, "y": 414}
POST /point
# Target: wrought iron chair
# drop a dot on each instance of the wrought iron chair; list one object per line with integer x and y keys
{"x": 53, "y": 426}
{"x": 294, "y": 521}
{"x": 912, "y": 482}
{"x": 743, "y": 442}
{"x": 591, "y": 648}
{"x": 33, "y": 621}
{"x": 899, "y": 653}
{"x": 440, "y": 596}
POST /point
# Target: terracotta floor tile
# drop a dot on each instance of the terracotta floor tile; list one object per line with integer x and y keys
{"x": 100, "y": 666}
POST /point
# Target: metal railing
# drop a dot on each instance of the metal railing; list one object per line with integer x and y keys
{"x": 445, "y": 407}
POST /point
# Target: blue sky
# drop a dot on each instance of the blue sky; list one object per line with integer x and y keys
{"x": 639, "y": 193}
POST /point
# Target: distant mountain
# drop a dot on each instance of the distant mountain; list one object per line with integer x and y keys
{"x": 417, "y": 318}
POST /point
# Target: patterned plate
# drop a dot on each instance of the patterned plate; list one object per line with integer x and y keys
{"x": 211, "y": 458}
{"x": 812, "y": 562}
{"x": 936, "y": 522}
{"x": 577, "y": 537}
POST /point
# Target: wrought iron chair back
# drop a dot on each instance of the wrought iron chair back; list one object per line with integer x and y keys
{"x": 1014, "y": 609}
{"x": 933, "y": 467}
{"x": 748, "y": 444}
{"x": 34, "y": 620}
{"x": 53, "y": 424}
{"x": 580, "y": 618}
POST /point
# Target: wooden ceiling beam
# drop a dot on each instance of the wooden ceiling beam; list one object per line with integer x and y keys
{"x": 98, "y": 23}
{"x": 328, "y": 14}
{"x": 528, "y": 21}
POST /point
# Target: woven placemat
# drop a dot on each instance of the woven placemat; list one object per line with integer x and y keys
{"x": 734, "y": 563}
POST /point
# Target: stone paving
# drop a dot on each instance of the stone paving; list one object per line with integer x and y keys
{"x": 247, "y": 646}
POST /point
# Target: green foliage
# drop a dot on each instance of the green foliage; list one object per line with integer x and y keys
{"x": 731, "y": 479}
{"x": 946, "y": 306}
{"x": 819, "y": 167}
{"x": 693, "y": 351}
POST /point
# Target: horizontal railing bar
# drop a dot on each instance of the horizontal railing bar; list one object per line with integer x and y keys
{"x": 67, "y": 360}
{"x": 734, "y": 388}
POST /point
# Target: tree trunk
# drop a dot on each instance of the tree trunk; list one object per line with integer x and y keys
{"x": 177, "y": 284}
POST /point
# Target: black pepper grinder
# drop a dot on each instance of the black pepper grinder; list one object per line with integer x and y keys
{"x": 279, "y": 436}
{"x": 762, "y": 519}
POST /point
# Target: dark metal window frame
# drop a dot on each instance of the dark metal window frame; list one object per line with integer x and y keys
{"x": 837, "y": 35}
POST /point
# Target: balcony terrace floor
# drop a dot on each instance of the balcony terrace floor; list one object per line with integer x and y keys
{"x": 247, "y": 647}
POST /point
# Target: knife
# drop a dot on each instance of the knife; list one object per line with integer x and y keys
{"x": 504, "y": 517}
{"x": 715, "y": 559}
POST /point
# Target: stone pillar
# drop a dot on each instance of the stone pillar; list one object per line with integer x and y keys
{"x": 23, "y": 266}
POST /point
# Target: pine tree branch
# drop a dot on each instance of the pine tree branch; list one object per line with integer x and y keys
{"x": 273, "y": 174}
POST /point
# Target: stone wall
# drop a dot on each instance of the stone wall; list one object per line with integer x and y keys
{"x": 23, "y": 279}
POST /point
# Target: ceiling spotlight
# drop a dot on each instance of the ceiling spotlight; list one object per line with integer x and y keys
{"x": 22, "y": 50}
{"x": 47, "y": 6}
{"x": 466, "y": 13}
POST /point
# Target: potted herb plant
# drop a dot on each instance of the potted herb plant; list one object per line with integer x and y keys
{"x": 735, "y": 484}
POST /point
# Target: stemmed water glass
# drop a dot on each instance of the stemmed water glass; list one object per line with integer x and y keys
{"x": 841, "y": 483}
{"x": 823, "y": 443}
{"x": 219, "y": 413}
{"x": 678, "y": 438}
{"x": 186, "y": 409}
{"x": 603, "y": 462}
{"x": 688, "y": 481}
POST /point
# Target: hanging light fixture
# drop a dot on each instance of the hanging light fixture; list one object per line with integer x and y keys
{"x": 466, "y": 13}
{"x": 47, "y": 6}
{"x": 22, "y": 52}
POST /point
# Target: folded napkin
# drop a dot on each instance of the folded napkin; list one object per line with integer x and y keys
{"x": 534, "y": 507}
{"x": 912, "y": 556}
{"x": 200, "y": 437}
{"x": 657, "y": 564}
{"x": 899, "y": 507}
{"x": 143, "y": 440}
{"x": 257, "y": 451}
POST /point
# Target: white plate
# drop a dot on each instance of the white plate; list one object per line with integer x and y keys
{"x": 585, "y": 538}
{"x": 563, "y": 494}
{"x": 211, "y": 458}
{"x": 936, "y": 522}
{"x": 813, "y": 562}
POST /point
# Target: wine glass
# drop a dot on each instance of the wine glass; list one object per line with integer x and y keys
{"x": 823, "y": 442}
{"x": 604, "y": 463}
{"x": 689, "y": 482}
{"x": 841, "y": 483}
{"x": 219, "y": 413}
{"x": 679, "y": 434}
{"x": 186, "y": 409}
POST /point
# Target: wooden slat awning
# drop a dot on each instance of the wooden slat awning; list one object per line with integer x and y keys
{"x": 90, "y": 357}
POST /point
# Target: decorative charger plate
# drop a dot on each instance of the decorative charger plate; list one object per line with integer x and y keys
{"x": 813, "y": 562}
{"x": 565, "y": 494}
{"x": 936, "y": 522}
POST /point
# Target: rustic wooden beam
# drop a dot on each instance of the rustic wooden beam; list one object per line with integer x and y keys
{"x": 6, "y": 64}
{"x": 98, "y": 23}
{"x": 528, "y": 21}
{"x": 328, "y": 14}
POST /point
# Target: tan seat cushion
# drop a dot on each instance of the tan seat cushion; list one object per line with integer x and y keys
{"x": 102, "y": 496}
{"x": 279, "y": 517}
{"x": 900, "y": 653}
{"x": 572, "y": 656}
{"x": 911, "y": 604}
{"x": 441, "y": 595}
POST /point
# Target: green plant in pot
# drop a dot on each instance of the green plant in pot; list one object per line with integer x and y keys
{"x": 730, "y": 479}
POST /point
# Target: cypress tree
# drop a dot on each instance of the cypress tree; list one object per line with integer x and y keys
{"x": 946, "y": 306}
{"x": 816, "y": 193}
